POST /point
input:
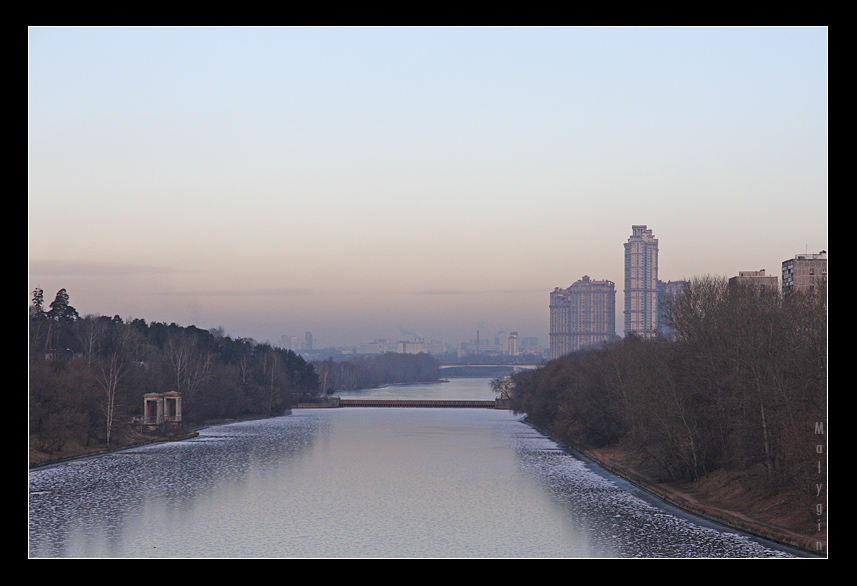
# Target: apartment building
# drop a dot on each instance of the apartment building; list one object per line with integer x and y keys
{"x": 805, "y": 272}
{"x": 582, "y": 315}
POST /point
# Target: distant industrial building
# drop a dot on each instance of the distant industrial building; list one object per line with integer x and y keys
{"x": 376, "y": 347}
{"x": 408, "y": 347}
{"x": 498, "y": 344}
{"x": 805, "y": 272}
{"x": 641, "y": 283}
{"x": 582, "y": 315}
{"x": 530, "y": 344}
{"x": 513, "y": 344}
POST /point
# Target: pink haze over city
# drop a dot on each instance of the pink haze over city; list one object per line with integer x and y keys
{"x": 364, "y": 183}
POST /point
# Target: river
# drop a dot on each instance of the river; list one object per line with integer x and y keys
{"x": 361, "y": 483}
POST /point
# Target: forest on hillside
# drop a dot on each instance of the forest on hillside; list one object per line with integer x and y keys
{"x": 744, "y": 383}
{"x": 88, "y": 374}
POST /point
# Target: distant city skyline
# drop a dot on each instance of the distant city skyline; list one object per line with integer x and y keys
{"x": 360, "y": 183}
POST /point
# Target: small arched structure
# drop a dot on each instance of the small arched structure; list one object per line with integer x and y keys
{"x": 162, "y": 413}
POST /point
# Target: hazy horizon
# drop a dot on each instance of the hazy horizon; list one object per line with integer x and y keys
{"x": 359, "y": 183}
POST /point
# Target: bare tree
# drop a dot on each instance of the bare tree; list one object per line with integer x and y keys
{"x": 189, "y": 366}
{"x": 90, "y": 332}
{"x": 112, "y": 368}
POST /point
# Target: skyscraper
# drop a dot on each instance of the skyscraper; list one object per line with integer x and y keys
{"x": 582, "y": 315}
{"x": 641, "y": 283}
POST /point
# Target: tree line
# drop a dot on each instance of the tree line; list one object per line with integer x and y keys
{"x": 88, "y": 375}
{"x": 743, "y": 383}
{"x": 363, "y": 372}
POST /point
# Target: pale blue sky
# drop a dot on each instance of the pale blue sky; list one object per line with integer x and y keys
{"x": 352, "y": 182}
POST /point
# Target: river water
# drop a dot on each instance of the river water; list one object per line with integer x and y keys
{"x": 361, "y": 482}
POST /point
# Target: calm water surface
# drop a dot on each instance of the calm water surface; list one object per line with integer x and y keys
{"x": 360, "y": 482}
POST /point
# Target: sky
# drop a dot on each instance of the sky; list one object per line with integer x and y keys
{"x": 369, "y": 183}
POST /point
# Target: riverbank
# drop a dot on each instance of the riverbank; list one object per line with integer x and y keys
{"x": 74, "y": 450}
{"x": 738, "y": 499}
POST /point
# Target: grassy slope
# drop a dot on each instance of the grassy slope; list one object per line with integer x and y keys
{"x": 738, "y": 499}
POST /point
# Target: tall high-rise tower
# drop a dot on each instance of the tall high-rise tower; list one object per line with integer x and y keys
{"x": 641, "y": 283}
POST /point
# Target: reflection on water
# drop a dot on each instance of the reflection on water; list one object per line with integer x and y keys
{"x": 356, "y": 483}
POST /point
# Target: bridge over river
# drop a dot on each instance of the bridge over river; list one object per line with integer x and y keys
{"x": 457, "y": 393}
{"x": 482, "y": 370}
{"x": 512, "y": 366}
{"x": 429, "y": 403}
{"x": 435, "y": 403}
